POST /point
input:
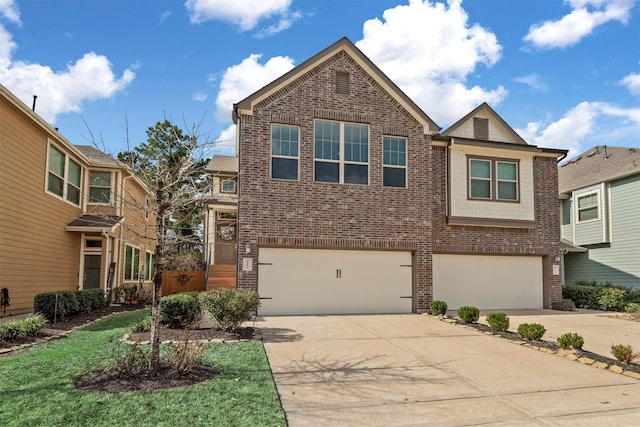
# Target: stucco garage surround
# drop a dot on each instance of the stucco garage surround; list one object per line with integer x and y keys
{"x": 324, "y": 281}
{"x": 488, "y": 281}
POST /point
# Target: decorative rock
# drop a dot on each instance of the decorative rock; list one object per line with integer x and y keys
{"x": 600, "y": 365}
{"x": 571, "y": 357}
{"x": 586, "y": 360}
{"x": 632, "y": 374}
{"x": 617, "y": 369}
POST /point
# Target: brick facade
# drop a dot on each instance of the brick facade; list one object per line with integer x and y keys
{"x": 309, "y": 214}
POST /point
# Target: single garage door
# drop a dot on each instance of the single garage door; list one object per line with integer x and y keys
{"x": 319, "y": 281}
{"x": 488, "y": 282}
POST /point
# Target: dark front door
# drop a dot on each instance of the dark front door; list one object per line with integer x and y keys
{"x": 225, "y": 250}
{"x": 92, "y": 271}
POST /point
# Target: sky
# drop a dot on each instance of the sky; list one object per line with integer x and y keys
{"x": 563, "y": 74}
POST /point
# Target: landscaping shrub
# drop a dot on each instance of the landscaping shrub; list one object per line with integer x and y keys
{"x": 127, "y": 360}
{"x": 438, "y": 308}
{"x": 498, "y": 321}
{"x": 564, "y": 304}
{"x": 571, "y": 340}
{"x": 583, "y": 296}
{"x": 632, "y": 307}
{"x": 624, "y": 353}
{"x": 468, "y": 314}
{"x": 69, "y": 303}
{"x": 142, "y": 326}
{"x": 531, "y": 331}
{"x": 611, "y": 298}
{"x": 179, "y": 310}
{"x": 96, "y": 297}
{"x": 185, "y": 356}
{"x": 16, "y": 329}
{"x": 230, "y": 307}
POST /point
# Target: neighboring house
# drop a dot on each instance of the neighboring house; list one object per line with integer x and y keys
{"x": 351, "y": 201}
{"x": 71, "y": 217}
{"x": 600, "y": 212}
{"x": 220, "y": 222}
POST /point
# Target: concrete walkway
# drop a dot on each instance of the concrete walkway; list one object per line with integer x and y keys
{"x": 401, "y": 370}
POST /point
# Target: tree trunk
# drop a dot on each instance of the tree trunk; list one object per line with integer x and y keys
{"x": 154, "y": 356}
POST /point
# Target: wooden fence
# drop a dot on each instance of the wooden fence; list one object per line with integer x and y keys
{"x": 174, "y": 282}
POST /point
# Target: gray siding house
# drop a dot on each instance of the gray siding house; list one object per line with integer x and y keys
{"x": 600, "y": 216}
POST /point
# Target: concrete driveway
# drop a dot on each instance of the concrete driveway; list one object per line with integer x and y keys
{"x": 391, "y": 370}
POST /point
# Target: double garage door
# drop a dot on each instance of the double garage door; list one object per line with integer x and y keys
{"x": 488, "y": 282}
{"x": 318, "y": 281}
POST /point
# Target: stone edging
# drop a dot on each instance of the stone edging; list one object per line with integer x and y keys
{"x": 256, "y": 336}
{"x": 565, "y": 354}
{"x": 56, "y": 334}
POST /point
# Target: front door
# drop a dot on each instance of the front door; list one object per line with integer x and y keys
{"x": 225, "y": 250}
{"x": 92, "y": 271}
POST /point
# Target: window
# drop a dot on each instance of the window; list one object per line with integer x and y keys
{"x": 64, "y": 176}
{"x": 341, "y": 152}
{"x": 588, "y": 207}
{"x": 99, "y": 187}
{"x": 132, "y": 263}
{"x": 493, "y": 179}
{"x": 284, "y": 152}
{"x": 394, "y": 159}
{"x": 480, "y": 128}
{"x": 228, "y": 186}
{"x": 149, "y": 265}
{"x": 226, "y": 215}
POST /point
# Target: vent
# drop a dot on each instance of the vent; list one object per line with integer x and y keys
{"x": 480, "y": 128}
{"x": 342, "y": 83}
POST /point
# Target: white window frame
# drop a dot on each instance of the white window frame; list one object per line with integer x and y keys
{"x": 281, "y": 156}
{"x": 94, "y": 202}
{"x": 133, "y": 273}
{"x": 227, "y": 181}
{"x": 597, "y": 206}
{"x": 341, "y": 156}
{"x": 386, "y": 165}
{"x": 66, "y": 183}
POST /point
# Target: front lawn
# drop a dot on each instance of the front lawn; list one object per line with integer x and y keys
{"x": 37, "y": 386}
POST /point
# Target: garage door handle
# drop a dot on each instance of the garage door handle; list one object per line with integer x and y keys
{"x": 406, "y": 265}
{"x": 265, "y": 263}
{"x": 338, "y": 273}
{"x": 266, "y": 298}
{"x": 407, "y": 297}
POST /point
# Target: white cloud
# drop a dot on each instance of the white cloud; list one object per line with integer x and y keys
{"x": 9, "y": 11}
{"x": 226, "y": 142}
{"x": 244, "y": 14}
{"x": 588, "y": 123}
{"x": 449, "y": 50}
{"x": 240, "y": 81}
{"x": 632, "y": 83}
{"x": 199, "y": 96}
{"x": 165, "y": 15}
{"x": 89, "y": 78}
{"x": 533, "y": 81}
{"x": 579, "y": 23}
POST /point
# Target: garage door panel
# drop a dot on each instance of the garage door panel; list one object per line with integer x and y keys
{"x": 315, "y": 281}
{"x": 488, "y": 282}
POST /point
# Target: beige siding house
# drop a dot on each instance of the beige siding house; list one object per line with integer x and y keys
{"x": 71, "y": 217}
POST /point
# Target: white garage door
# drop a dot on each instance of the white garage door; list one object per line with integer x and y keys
{"x": 488, "y": 282}
{"x": 317, "y": 281}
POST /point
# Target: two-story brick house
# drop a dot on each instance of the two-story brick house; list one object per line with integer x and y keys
{"x": 71, "y": 217}
{"x": 351, "y": 201}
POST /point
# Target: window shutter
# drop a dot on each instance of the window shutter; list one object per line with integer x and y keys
{"x": 480, "y": 128}
{"x": 342, "y": 83}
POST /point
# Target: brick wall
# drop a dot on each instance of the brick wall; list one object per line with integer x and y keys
{"x": 308, "y": 214}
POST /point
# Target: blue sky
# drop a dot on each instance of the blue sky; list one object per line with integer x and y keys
{"x": 564, "y": 74}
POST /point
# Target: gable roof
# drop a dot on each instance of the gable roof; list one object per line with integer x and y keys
{"x": 97, "y": 157}
{"x": 221, "y": 164}
{"x": 485, "y": 108}
{"x": 343, "y": 45}
{"x": 598, "y": 164}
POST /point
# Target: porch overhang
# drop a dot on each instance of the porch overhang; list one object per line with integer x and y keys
{"x": 568, "y": 247}
{"x": 95, "y": 224}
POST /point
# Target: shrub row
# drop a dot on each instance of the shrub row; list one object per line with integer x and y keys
{"x": 601, "y": 296}
{"x": 68, "y": 303}
{"x": 228, "y": 308}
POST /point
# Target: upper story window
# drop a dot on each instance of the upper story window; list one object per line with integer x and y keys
{"x": 99, "y": 187}
{"x": 394, "y": 160}
{"x": 64, "y": 176}
{"x": 149, "y": 266}
{"x": 284, "y": 152}
{"x": 228, "y": 186}
{"x": 341, "y": 152}
{"x": 131, "y": 263}
{"x": 588, "y": 207}
{"x": 493, "y": 179}
{"x": 480, "y": 128}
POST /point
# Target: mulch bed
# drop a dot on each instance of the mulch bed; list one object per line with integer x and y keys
{"x": 512, "y": 336}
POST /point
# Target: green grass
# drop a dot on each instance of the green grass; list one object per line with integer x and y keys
{"x": 37, "y": 386}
